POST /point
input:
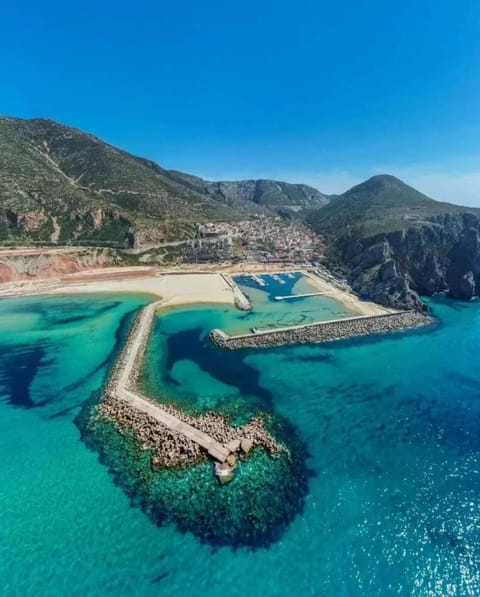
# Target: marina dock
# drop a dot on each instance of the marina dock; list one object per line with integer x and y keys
{"x": 260, "y": 281}
{"x": 295, "y": 296}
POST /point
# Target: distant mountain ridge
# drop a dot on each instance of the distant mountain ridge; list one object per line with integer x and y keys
{"x": 271, "y": 193}
{"x": 60, "y": 184}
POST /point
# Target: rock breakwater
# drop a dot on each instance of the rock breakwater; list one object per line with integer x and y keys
{"x": 170, "y": 449}
{"x": 170, "y": 476}
{"x": 173, "y": 437}
{"x": 324, "y": 331}
{"x": 240, "y": 300}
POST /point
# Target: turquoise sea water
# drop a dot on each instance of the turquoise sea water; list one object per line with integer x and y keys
{"x": 391, "y": 426}
{"x": 268, "y": 312}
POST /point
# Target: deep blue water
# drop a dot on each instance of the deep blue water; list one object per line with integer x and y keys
{"x": 391, "y": 427}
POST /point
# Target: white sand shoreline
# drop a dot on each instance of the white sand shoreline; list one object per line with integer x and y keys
{"x": 173, "y": 287}
{"x": 349, "y": 300}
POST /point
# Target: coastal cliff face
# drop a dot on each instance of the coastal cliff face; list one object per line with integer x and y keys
{"x": 89, "y": 225}
{"x": 395, "y": 243}
{"x": 15, "y": 268}
{"x": 394, "y": 268}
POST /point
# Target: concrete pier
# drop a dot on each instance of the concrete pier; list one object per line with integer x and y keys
{"x": 123, "y": 391}
{"x": 305, "y": 295}
{"x": 258, "y": 280}
{"x": 240, "y": 300}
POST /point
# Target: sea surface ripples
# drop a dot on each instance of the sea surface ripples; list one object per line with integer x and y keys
{"x": 390, "y": 426}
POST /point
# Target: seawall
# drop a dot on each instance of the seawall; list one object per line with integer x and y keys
{"x": 323, "y": 331}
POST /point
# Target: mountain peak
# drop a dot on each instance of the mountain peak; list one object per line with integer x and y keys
{"x": 380, "y": 204}
{"x": 385, "y": 178}
{"x": 389, "y": 187}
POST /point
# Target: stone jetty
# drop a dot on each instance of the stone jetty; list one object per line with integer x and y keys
{"x": 323, "y": 331}
{"x": 173, "y": 437}
{"x": 240, "y": 300}
{"x": 170, "y": 448}
{"x": 287, "y": 297}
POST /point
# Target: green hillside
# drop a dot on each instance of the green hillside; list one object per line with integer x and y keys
{"x": 381, "y": 204}
{"x": 59, "y": 184}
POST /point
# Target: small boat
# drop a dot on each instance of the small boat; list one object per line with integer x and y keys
{"x": 258, "y": 280}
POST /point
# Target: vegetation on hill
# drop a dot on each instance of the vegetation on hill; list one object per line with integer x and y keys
{"x": 395, "y": 243}
{"x": 60, "y": 184}
{"x": 381, "y": 204}
{"x": 271, "y": 193}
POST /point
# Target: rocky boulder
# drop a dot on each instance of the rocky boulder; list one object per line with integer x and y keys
{"x": 464, "y": 287}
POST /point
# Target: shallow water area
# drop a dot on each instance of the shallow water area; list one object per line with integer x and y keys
{"x": 267, "y": 491}
{"x": 269, "y": 312}
{"x": 390, "y": 424}
{"x": 251, "y": 511}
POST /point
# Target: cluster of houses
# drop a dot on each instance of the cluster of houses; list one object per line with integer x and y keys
{"x": 262, "y": 239}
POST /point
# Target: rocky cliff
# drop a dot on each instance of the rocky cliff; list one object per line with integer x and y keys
{"x": 396, "y": 267}
{"x": 394, "y": 243}
{"x": 272, "y": 194}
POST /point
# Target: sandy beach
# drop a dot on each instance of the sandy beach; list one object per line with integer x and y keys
{"x": 174, "y": 289}
{"x": 349, "y": 300}
{"x": 175, "y": 286}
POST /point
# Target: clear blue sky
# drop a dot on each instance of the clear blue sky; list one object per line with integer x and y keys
{"x": 307, "y": 90}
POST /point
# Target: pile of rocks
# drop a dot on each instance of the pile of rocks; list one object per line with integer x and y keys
{"x": 170, "y": 449}
{"x": 325, "y": 331}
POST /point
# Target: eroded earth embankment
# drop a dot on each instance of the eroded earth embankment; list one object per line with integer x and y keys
{"x": 18, "y": 266}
